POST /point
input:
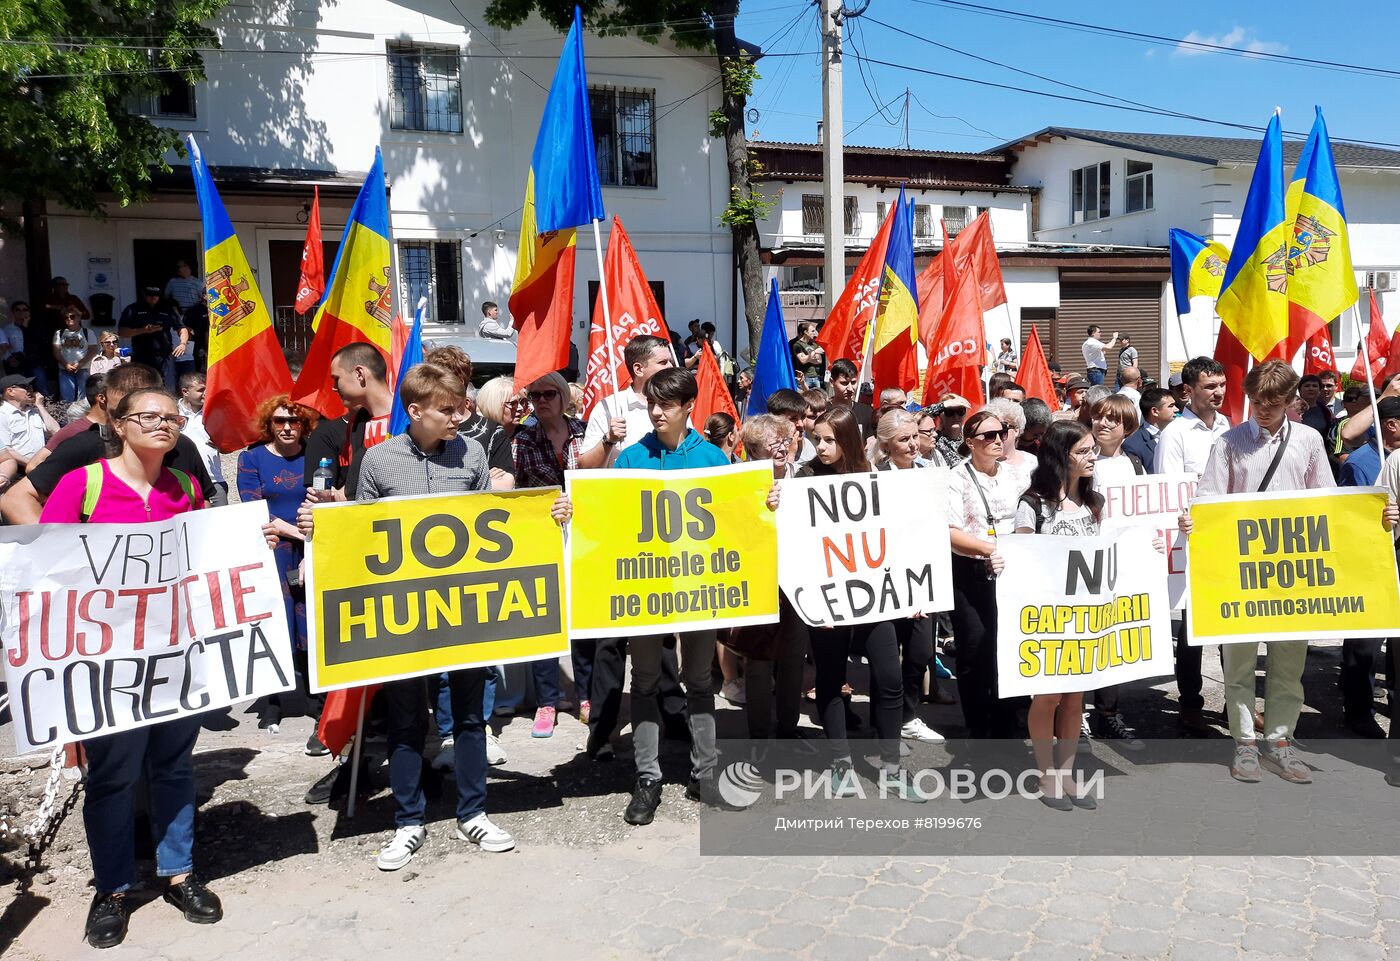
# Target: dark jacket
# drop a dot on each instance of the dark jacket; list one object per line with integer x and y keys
{"x": 1143, "y": 446}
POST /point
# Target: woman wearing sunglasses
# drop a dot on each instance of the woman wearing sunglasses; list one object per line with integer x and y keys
{"x": 1061, "y": 500}
{"x": 136, "y": 487}
{"x": 107, "y": 358}
{"x": 544, "y": 449}
{"x": 274, "y": 471}
{"x": 983, "y": 494}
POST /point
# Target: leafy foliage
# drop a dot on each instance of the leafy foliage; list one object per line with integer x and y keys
{"x": 70, "y": 71}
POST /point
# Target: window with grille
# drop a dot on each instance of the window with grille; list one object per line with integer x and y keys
{"x": 173, "y": 101}
{"x": 813, "y": 216}
{"x": 923, "y": 221}
{"x": 956, "y": 219}
{"x": 880, "y": 209}
{"x": 1089, "y": 192}
{"x": 425, "y": 88}
{"x": 433, "y": 267}
{"x": 851, "y": 215}
{"x": 624, "y": 135}
{"x": 1138, "y": 186}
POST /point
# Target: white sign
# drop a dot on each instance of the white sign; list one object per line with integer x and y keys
{"x": 1152, "y": 502}
{"x": 99, "y": 273}
{"x": 859, "y": 548}
{"x": 109, "y": 627}
{"x": 1080, "y": 613}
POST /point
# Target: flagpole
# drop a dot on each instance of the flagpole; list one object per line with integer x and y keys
{"x": 607, "y": 321}
{"x": 355, "y": 757}
{"x": 1181, "y": 329}
{"x": 1370, "y": 382}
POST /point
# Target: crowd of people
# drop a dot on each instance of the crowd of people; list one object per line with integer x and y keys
{"x": 1013, "y": 464}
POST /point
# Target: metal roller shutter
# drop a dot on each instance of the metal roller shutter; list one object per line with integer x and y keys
{"x": 1134, "y": 309}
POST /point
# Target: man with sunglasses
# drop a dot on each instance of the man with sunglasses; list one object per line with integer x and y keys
{"x": 24, "y": 501}
{"x": 951, "y": 410}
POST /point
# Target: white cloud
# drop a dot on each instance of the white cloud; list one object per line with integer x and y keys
{"x": 1239, "y": 38}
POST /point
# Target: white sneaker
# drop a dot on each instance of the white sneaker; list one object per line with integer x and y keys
{"x": 917, "y": 730}
{"x": 446, "y": 758}
{"x": 485, "y": 835}
{"x": 733, "y": 691}
{"x": 495, "y": 754}
{"x": 400, "y": 850}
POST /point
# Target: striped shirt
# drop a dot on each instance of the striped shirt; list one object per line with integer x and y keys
{"x": 185, "y": 291}
{"x": 398, "y": 467}
{"x": 1241, "y": 458}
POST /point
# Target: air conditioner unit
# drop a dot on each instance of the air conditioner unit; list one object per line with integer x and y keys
{"x": 1381, "y": 280}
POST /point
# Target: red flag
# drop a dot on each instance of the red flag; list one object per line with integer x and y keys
{"x": 1317, "y": 355}
{"x": 713, "y": 396}
{"x": 957, "y": 346}
{"x": 930, "y": 284}
{"x": 974, "y": 245}
{"x": 1392, "y": 362}
{"x": 1234, "y": 356}
{"x": 634, "y": 312}
{"x": 1378, "y": 343}
{"x": 1034, "y": 372}
{"x": 340, "y": 714}
{"x": 542, "y": 307}
{"x": 313, "y": 266}
{"x": 846, "y": 327}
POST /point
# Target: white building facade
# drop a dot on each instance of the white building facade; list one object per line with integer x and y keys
{"x": 304, "y": 91}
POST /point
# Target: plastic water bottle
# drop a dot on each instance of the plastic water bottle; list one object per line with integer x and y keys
{"x": 323, "y": 479}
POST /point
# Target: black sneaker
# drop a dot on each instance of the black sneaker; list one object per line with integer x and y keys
{"x": 198, "y": 904}
{"x": 1112, "y": 727}
{"x": 704, "y": 790}
{"x": 314, "y": 747}
{"x": 320, "y": 792}
{"x": 646, "y": 798}
{"x": 106, "y": 921}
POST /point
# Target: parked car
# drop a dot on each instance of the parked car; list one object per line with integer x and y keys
{"x": 490, "y": 358}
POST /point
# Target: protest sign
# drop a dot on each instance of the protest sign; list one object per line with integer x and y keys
{"x": 1080, "y": 613}
{"x": 109, "y": 627}
{"x": 1283, "y": 566}
{"x": 1153, "y": 502}
{"x": 680, "y": 550}
{"x": 860, "y": 548}
{"x": 407, "y": 586}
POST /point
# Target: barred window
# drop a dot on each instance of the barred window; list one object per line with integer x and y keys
{"x": 433, "y": 267}
{"x": 624, "y": 135}
{"x": 923, "y": 221}
{"x": 425, "y": 88}
{"x": 814, "y": 215}
{"x": 956, "y": 219}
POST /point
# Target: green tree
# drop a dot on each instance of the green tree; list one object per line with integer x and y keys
{"x": 696, "y": 25}
{"x": 69, "y": 73}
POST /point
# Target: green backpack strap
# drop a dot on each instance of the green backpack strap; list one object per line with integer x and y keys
{"x": 92, "y": 490}
{"x": 186, "y": 485}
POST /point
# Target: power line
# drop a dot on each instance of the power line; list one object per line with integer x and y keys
{"x": 879, "y": 112}
{"x": 942, "y": 116}
{"x": 1199, "y": 45}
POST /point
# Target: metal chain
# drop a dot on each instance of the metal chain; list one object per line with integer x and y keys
{"x": 39, "y": 826}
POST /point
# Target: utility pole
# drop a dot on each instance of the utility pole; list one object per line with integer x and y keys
{"x": 833, "y": 159}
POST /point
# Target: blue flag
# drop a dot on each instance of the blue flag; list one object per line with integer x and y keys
{"x": 412, "y": 356}
{"x": 564, "y": 166}
{"x": 773, "y": 368}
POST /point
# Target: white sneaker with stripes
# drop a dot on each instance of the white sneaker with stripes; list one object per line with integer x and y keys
{"x": 401, "y": 848}
{"x": 485, "y": 835}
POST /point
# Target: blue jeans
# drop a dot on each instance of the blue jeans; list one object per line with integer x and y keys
{"x": 1096, "y": 376}
{"x": 546, "y": 674}
{"x": 165, "y": 753}
{"x": 442, "y": 712}
{"x": 406, "y": 709}
{"x": 72, "y": 386}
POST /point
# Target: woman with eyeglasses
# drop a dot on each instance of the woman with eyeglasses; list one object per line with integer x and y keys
{"x": 1061, "y": 500}
{"x": 134, "y": 486}
{"x": 273, "y": 471}
{"x": 108, "y": 357}
{"x": 1014, "y": 418}
{"x": 982, "y": 499}
{"x": 544, "y": 449}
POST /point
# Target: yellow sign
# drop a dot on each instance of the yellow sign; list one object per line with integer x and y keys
{"x": 658, "y": 551}
{"x": 408, "y": 586}
{"x": 1295, "y": 565}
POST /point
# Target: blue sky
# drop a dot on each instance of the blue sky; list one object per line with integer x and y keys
{"x": 947, "y": 114}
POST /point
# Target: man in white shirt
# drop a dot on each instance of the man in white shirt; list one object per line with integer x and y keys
{"x": 1095, "y": 354}
{"x": 191, "y": 405}
{"x": 24, "y": 425}
{"x": 1185, "y": 447}
{"x": 491, "y": 325}
{"x": 1130, "y": 383}
{"x": 621, "y": 419}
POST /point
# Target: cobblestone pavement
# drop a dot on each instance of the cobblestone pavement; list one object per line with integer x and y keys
{"x": 299, "y": 881}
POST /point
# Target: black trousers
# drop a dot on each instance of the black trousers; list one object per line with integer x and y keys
{"x": 975, "y": 629}
{"x": 605, "y": 694}
{"x": 831, "y": 652}
{"x": 1188, "y": 669}
{"x": 1360, "y": 657}
{"x": 897, "y": 651}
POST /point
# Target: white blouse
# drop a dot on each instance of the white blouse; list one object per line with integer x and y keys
{"x": 966, "y": 511}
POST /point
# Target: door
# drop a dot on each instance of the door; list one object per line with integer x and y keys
{"x": 155, "y": 260}
{"x": 284, "y": 263}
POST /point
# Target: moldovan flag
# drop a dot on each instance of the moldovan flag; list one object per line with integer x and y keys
{"x": 1034, "y": 373}
{"x": 561, "y": 192}
{"x": 359, "y": 301}
{"x": 1253, "y": 300}
{"x": 844, "y": 333}
{"x": 313, "y": 262}
{"x": 973, "y": 246}
{"x": 894, "y": 360}
{"x": 246, "y": 363}
{"x": 1235, "y": 358}
{"x": 1198, "y": 266}
{"x": 1321, "y": 282}
{"x": 712, "y": 396}
{"x": 956, "y": 349}
{"x": 1377, "y": 346}
{"x": 634, "y": 311}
